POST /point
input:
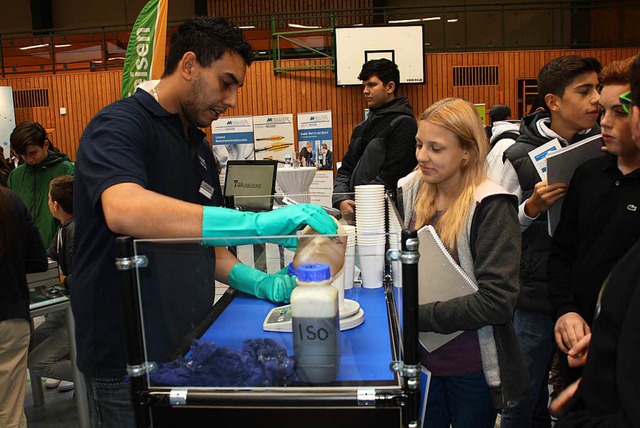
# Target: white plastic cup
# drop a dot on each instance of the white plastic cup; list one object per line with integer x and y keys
{"x": 338, "y": 284}
{"x": 349, "y": 266}
{"x": 371, "y": 263}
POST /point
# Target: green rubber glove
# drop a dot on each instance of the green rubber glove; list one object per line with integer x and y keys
{"x": 224, "y": 223}
{"x": 274, "y": 287}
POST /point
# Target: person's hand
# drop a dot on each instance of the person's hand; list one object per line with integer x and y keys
{"x": 290, "y": 218}
{"x": 274, "y": 287}
{"x": 577, "y": 355}
{"x": 226, "y": 223}
{"x": 544, "y": 195}
{"x": 347, "y": 209}
{"x": 569, "y": 330}
{"x": 558, "y": 406}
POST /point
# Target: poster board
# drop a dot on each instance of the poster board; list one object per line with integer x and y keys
{"x": 317, "y": 129}
{"x": 232, "y": 140}
{"x": 402, "y": 44}
{"x": 7, "y": 119}
{"x": 274, "y": 137}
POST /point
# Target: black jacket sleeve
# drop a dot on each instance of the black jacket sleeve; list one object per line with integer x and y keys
{"x": 564, "y": 247}
{"x": 400, "y": 158}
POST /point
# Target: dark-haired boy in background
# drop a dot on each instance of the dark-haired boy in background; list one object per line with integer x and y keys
{"x": 382, "y": 148}
{"x": 49, "y": 346}
{"x": 31, "y": 179}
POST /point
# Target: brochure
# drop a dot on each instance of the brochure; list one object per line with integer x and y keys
{"x": 539, "y": 156}
{"x": 561, "y": 165}
{"x": 440, "y": 279}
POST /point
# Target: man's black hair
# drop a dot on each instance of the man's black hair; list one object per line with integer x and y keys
{"x": 61, "y": 189}
{"x": 635, "y": 81}
{"x": 385, "y": 70}
{"x": 209, "y": 38}
{"x": 558, "y": 73}
{"x": 27, "y": 134}
{"x": 499, "y": 112}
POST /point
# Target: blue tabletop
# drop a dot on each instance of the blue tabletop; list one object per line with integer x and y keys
{"x": 365, "y": 350}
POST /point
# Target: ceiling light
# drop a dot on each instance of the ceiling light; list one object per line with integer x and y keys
{"x": 247, "y": 27}
{"x": 452, "y": 20}
{"x": 404, "y": 21}
{"x": 63, "y": 46}
{"x": 304, "y": 26}
{"x": 25, "y": 48}
{"x": 433, "y": 18}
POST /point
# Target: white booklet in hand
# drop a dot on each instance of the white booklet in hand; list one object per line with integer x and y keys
{"x": 539, "y": 156}
{"x": 440, "y": 279}
{"x": 561, "y": 165}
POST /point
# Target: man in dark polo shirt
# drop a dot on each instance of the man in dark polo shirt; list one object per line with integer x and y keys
{"x": 145, "y": 170}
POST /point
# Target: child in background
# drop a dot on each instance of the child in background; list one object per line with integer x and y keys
{"x": 49, "y": 347}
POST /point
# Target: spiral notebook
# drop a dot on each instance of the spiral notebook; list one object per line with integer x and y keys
{"x": 440, "y": 279}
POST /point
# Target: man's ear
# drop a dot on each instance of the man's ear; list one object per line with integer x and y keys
{"x": 391, "y": 87}
{"x": 552, "y": 101}
{"x": 46, "y": 144}
{"x": 187, "y": 64}
{"x": 635, "y": 124}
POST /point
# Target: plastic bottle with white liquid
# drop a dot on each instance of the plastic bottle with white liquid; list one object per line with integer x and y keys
{"x": 316, "y": 329}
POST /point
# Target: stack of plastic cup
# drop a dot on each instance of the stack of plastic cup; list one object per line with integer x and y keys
{"x": 349, "y": 256}
{"x": 371, "y": 233}
{"x": 395, "y": 235}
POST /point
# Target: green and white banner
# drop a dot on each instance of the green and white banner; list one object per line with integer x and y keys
{"x": 145, "y": 53}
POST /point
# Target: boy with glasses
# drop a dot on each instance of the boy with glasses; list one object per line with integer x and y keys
{"x": 600, "y": 218}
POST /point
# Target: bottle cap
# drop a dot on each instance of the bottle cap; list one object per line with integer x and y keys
{"x": 314, "y": 272}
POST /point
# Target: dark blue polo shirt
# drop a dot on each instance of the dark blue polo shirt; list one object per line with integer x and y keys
{"x": 133, "y": 140}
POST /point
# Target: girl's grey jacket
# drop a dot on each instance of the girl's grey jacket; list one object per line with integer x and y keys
{"x": 489, "y": 252}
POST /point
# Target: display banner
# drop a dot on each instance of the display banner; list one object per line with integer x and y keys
{"x": 7, "y": 119}
{"x": 273, "y": 136}
{"x": 145, "y": 52}
{"x": 317, "y": 128}
{"x": 232, "y": 140}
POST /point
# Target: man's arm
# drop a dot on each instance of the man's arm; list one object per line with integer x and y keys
{"x": 570, "y": 326}
{"x": 341, "y": 184}
{"x": 400, "y": 156}
{"x": 130, "y": 209}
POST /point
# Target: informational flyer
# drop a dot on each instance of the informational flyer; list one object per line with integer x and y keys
{"x": 274, "y": 137}
{"x": 7, "y": 119}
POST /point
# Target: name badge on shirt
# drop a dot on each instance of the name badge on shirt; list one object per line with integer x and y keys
{"x": 206, "y": 190}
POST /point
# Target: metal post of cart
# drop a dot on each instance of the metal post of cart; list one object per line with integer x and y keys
{"x": 411, "y": 358}
{"x": 126, "y": 263}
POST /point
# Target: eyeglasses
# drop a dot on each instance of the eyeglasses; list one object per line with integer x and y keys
{"x": 626, "y": 102}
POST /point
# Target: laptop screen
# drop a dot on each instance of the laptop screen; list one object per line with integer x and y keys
{"x": 246, "y": 178}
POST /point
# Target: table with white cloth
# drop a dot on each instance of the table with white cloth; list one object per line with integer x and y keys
{"x": 296, "y": 181}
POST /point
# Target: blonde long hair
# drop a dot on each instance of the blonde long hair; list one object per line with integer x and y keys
{"x": 461, "y": 118}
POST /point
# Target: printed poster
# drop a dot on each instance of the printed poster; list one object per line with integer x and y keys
{"x": 7, "y": 118}
{"x": 273, "y": 136}
{"x": 316, "y": 129}
{"x": 232, "y": 140}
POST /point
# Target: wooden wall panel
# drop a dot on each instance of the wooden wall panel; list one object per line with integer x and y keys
{"x": 83, "y": 94}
